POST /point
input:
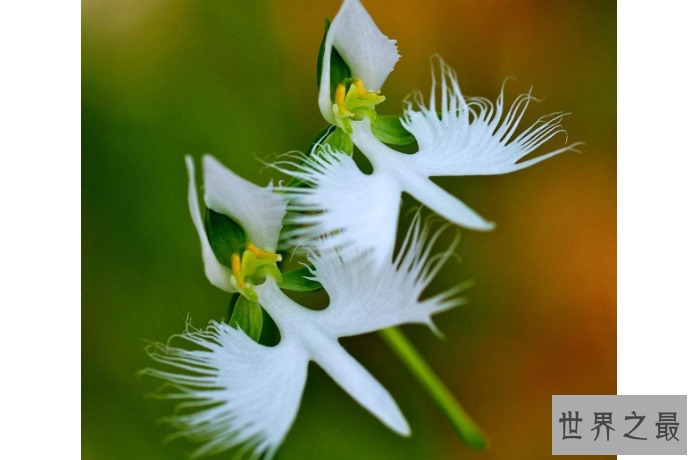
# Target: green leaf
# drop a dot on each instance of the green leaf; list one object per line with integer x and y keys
{"x": 295, "y": 281}
{"x": 225, "y": 236}
{"x": 338, "y": 70}
{"x": 247, "y": 315}
{"x": 389, "y": 130}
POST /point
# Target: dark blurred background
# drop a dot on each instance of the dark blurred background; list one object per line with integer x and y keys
{"x": 161, "y": 79}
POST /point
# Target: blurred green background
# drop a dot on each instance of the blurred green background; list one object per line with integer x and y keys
{"x": 161, "y": 79}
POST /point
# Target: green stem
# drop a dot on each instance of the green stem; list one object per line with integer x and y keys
{"x": 465, "y": 427}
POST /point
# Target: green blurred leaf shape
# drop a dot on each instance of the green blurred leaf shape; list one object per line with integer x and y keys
{"x": 225, "y": 236}
{"x": 388, "y": 129}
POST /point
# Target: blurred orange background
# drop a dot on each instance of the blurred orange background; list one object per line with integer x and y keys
{"x": 162, "y": 79}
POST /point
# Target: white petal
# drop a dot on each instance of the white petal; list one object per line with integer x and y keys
{"x": 296, "y": 321}
{"x": 442, "y": 202}
{"x": 257, "y": 209}
{"x": 217, "y": 274}
{"x": 370, "y": 55}
{"x": 473, "y": 136}
{"x": 365, "y": 297}
{"x": 361, "y": 385}
{"x": 246, "y": 393}
{"x": 355, "y": 211}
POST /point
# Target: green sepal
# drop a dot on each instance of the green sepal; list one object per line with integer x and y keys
{"x": 338, "y": 71}
{"x": 225, "y": 236}
{"x": 295, "y": 281}
{"x": 247, "y": 315}
{"x": 388, "y": 129}
{"x": 340, "y": 141}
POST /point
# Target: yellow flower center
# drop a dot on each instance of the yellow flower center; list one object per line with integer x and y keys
{"x": 354, "y": 103}
{"x": 252, "y": 267}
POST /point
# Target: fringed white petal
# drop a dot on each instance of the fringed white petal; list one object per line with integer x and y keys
{"x": 238, "y": 392}
{"x": 365, "y": 297}
{"x": 258, "y": 210}
{"x": 235, "y": 390}
{"x": 354, "y": 211}
{"x": 473, "y": 136}
{"x": 217, "y": 274}
{"x": 370, "y": 55}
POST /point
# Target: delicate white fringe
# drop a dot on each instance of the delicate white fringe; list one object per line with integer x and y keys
{"x": 217, "y": 382}
{"x": 473, "y": 134}
{"x": 351, "y": 209}
{"x": 365, "y": 296}
{"x": 414, "y": 257}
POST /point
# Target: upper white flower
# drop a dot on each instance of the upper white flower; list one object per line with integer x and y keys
{"x": 456, "y": 136}
{"x": 247, "y": 393}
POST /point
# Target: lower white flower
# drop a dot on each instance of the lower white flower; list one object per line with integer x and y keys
{"x": 243, "y": 393}
{"x": 457, "y": 137}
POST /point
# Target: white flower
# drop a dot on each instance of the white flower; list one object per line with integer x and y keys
{"x": 456, "y": 136}
{"x": 242, "y": 392}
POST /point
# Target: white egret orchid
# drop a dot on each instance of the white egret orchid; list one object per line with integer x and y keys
{"x": 240, "y": 392}
{"x": 457, "y": 136}
{"x": 247, "y": 393}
